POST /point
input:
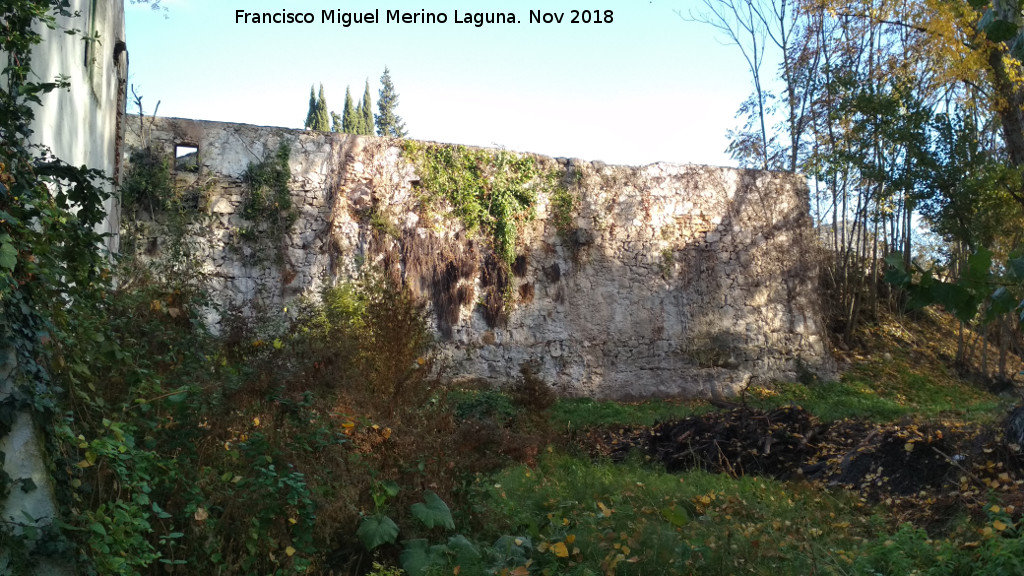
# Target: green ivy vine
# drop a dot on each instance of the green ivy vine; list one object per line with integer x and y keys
{"x": 488, "y": 190}
{"x": 51, "y": 260}
{"x": 565, "y": 199}
{"x": 49, "y": 211}
{"x": 267, "y": 202}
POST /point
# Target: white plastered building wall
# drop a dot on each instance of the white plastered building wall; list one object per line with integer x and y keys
{"x": 82, "y": 125}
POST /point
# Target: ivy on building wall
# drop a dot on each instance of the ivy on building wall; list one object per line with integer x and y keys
{"x": 49, "y": 249}
{"x": 51, "y": 263}
{"x": 267, "y": 201}
{"x": 565, "y": 199}
{"x": 488, "y": 190}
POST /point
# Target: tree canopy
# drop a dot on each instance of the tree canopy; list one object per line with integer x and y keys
{"x": 389, "y": 123}
{"x": 906, "y": 115}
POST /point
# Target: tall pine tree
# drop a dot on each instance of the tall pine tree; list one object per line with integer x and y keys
{"x": 388, "y": 123}
{"x": 367, "y": 110}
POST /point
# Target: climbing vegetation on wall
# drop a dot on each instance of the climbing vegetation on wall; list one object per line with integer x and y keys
{"x": 148, "y": 183}
{"x": 565, "y": 189}
{"x": 490, "y": 191}
{"x": 267, "y": 201}
{"x": 161, "y": 215}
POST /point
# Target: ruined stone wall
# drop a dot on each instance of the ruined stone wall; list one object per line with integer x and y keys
{"x": 672, "y": 279}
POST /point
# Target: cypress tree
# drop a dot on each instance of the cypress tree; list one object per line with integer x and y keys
{"x": 311, "y": 113}
{"x": 348, "y": 116}
{"x": 321, "y": 118}
{"x": 336, "y": 122}
{"x": 367, "y": 111}
{"x": 358, "y": 126}
{"x": 388, "y": 123}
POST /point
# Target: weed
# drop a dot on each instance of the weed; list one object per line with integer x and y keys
{"x": 668, "y": 262}
{"x": 531, "y": 393}
{"x": 565, "y": 201}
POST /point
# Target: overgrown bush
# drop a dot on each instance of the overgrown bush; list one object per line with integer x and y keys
{"x": 249, "y": 455}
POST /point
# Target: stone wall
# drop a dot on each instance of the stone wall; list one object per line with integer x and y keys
{"x": 672, "y": 280}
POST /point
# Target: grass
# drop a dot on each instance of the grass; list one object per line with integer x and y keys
{"x": 900, "y": 369}
{"x": 581, "y": 413}
{"x": 629, "y": 519}
{"x": 884, "y": 400}
{"x": 601, "y": 518}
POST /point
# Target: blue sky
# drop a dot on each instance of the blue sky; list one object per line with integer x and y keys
{"x": 649, "y": 86}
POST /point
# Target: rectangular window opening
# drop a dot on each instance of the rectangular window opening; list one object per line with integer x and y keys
{"x": 186, "y": 158}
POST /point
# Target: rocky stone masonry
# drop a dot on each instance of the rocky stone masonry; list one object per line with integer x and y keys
{"x": 676, "y": 280}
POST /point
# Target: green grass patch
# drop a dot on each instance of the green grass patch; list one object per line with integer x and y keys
{"x": 883, "y": 393}
{"x": 581, "y": 517}
{"x": 628, "y": 519}
{"x": 581, "y": 413}
{"x": 833, "y": 401}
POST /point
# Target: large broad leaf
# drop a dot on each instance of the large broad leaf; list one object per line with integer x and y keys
{"x": 979, "y": 267}
{"x": 433, "y": 511}
{"x": 1001, "y": 302}
{"x": 1016, "y": 267}
{"x": 1017, "y": 47}
{"x": 1000, "y": 30}
{"x": 377, "y": 530}
{"x": 896, "y": 274}
{"x": 957, "y": 299}
{"x": 419, "y": 556}
{"x": 8, "y": 256}
{"x": 464, "y": 552}
{"x": 676, "y": 516}
{"x": 390, "y": 488}
{"x": 512, "y": 550}
{"x": 415, "y": 558}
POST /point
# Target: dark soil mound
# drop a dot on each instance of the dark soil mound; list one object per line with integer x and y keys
{"x": 740, "y": 441}
{"x": 899, "y": 462}
{"x": 881, "y": 461}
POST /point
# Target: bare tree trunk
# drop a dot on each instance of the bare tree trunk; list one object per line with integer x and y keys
{"x": 960, "y": 345}
{"x": 1004, "y": 344}
{"x": 984, "y": 351}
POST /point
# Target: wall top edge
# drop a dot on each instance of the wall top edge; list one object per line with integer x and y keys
{"x": 800, "y": 178}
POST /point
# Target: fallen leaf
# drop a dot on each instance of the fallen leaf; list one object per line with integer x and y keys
{"x": 559, "y": 549}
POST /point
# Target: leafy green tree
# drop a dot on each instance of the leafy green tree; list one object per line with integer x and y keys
{"x": 388, "y": 122}
{"x": 337, "y": 122}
